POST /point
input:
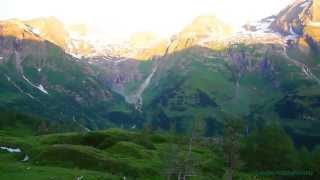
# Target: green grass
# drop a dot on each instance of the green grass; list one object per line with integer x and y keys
{"x": 74, "y": 89}
{"x": 18, "y": 171}
{"x": 95, "y": 154}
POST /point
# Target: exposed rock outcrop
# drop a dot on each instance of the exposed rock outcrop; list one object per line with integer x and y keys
{"x": 203, "y": 28}
{"x": 302, "y": 19}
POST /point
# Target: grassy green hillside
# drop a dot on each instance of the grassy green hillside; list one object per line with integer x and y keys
{"x": 27, "y": 153}
{"x": 70, "y": 89}
{"x": 256, "y": 81}
{"x": 97, "y": 155}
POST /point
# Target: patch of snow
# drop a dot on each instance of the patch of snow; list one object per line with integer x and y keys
{"x": 262, "y": 26}
{"x": 39, "y": 69}
{"x": 36, "y": 31}
{"x": 8, "y": 78}
{"x": 40, "y": 87}
{"x": 25, "y": 159}
{"x": 1, "y": 58}
{"x": 80, "y": 178}
{"x": 136, "y": 97}
{"x": 76, "y": 55}
{"x": 11, "y": 150}
{"x": 26, "y": 79}
{"x": 33, "y": 30}
{"x": 305, "y": 4}
{"x": 292, "y": 35}
{"x": 15, "y": 150}
{"x": 258, "y": 31}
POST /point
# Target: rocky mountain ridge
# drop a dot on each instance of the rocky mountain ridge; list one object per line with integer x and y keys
{"x": 267, "y": 69}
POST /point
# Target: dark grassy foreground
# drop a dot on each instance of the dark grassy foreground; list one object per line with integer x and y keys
{"x": 265, "y": 153}
{"x": 111, "y": 154}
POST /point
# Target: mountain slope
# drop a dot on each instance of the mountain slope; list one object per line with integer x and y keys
{"x": 203, "y": 27}
{"x": 200, "y": 83}
{"x": 206, "y": 70}
{"x": 261, "y": 74}
{"x": 50, "y": 29}
{"x": 41, "y": 78}
{"x": 301, "y": 20}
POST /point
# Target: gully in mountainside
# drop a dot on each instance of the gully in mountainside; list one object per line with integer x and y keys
{"x": 305, "y": 69}
{"x": 136, "y": 97}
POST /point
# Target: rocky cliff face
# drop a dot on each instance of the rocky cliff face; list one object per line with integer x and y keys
{"x": 50, "y": 29}
{"x": 293, "y": 18}
{"x": 19, "y": 37}
{"x": 203, "y": 28}
{"x": 300, "y": 19}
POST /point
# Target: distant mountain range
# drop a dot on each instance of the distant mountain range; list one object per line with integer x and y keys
{"x": 267, "y": 71}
